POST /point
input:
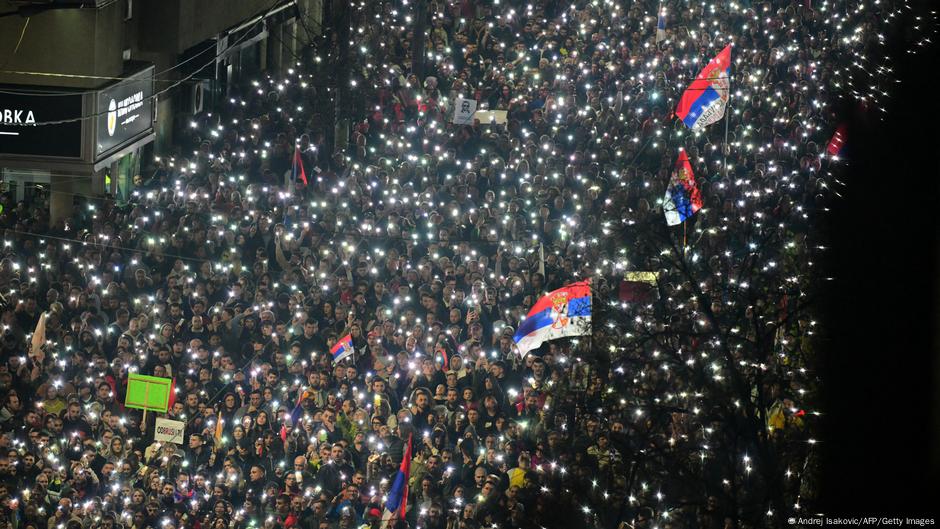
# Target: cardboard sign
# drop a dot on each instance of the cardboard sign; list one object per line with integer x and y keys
{"x": 642, "y": 277}
{"x": 491, "y": 117}
{"x": 148, "y": 393}
{"x": 167, "y": 431}
{"x": 464, "y": 110}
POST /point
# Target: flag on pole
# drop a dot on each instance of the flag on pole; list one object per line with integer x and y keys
{"x": 683, "y": 197}
{"x": 661, "y": 25}
{"x": 836, "y": 146}
{"x": 560, "y": 313}
{"x": 704, "y": 101}
{"x": 343, "y": 348}
{"x": 397, "y": 501}
{"x": 297, "y": 169}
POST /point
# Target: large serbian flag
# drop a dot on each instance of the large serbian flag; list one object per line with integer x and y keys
{"x": 397, "y": 502}
{"x": 683, "y": 197}
{"x": 704, "y": 101}
{"x": 560, "y": 313}
{"x": 343, "y": 348}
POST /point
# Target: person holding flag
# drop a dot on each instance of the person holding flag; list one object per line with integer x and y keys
{"x": 343, "y": 348}
{"x": 295, "y": 414}
{"x": 683, "y": 197}
{"x": 704, "y": 101}
{"x": 660, "y": 24}
{"x": 396, "y": 506}
{"x": 558, "y": 314}
{"x": 297, "y": 168}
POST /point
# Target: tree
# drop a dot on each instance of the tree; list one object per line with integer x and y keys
{"x": 713, "y": 372}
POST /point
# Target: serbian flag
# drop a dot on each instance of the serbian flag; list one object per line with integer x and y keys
{"x": 297, "y": 170}
{"x": 836, "y": 146}
{"x": 661, "y": 26}
{"x": 343, "y": 348}
{"x": 704, "y": 101}
{"x": 560, "y": 313}
{"x": 294, "y": 414}
{"x": 397, "y": 501}
{"x": 683, "y": 197}
{"x": 298, "y": 409}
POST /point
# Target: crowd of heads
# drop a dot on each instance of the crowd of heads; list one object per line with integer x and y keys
{"x": 427, "y": 242}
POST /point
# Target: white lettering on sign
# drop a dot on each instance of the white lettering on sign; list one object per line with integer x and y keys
{"x": 130, "y": 104}
{"x": 168, "y": 431}
{"x": 11, "y": 116}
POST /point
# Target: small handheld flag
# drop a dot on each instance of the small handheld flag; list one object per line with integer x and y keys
{"x": 295, "y": 413}
{"x": 560, "y": 313}
{"x": 661, "y": 26}
{"x": 297, "y": 168}
{"x": 343, "y": 348}
{"x": 397, "y": 502}
{"x": 683, "y": 197}
{"x": 704, "y": 101}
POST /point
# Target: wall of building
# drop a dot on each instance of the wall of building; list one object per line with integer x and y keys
{"x": 74, "y": 42}
{"x": 87, "y": 49}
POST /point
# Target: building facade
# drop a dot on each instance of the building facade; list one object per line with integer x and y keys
{"x": 88, "y": 87}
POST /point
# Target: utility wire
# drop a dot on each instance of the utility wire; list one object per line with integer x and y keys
{"x": 112, "y": 78}
{"x": 18, "y": 42}
{"x": 152, "y": 97}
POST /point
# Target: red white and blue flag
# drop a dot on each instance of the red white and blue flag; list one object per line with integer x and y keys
{"x": 661, "y": 26}
{"x": 397, "y": 502}
{"x": 683, "y": 197}
{"x": 560, "y": 313}
{"x": 704, "y": 101}
{"x": 295, "y": 413}
{"x": 297, "y": 168}
{"x": 836, "y": 146}
{"x": 343, "y": 348}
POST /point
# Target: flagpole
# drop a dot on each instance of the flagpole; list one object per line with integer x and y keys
{"x": 683, "y": 238}
{"x": 724, "y": 147}
{"x": 724, "y": 156}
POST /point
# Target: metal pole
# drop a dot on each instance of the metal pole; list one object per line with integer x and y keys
{"x": 724, "y": 147}
{"x": 724, "y": 155}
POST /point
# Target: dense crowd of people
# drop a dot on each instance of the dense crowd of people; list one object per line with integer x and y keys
{"x": 427, "y": 242}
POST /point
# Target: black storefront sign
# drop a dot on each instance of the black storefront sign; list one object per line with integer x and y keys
{"x": 25, "y": 114}
{"x": 125, "y": 112}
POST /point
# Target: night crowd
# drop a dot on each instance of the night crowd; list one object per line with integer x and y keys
{"x": 427, "y": 242}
